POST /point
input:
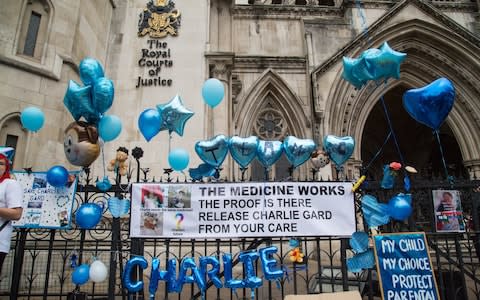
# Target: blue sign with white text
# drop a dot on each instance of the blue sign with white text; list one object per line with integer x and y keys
{"x": 404, "y": 267}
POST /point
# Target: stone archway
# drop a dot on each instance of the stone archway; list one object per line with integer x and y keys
{"x": 432, "y": 52}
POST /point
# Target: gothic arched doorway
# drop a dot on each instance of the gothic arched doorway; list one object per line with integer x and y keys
{"x": 417, "y": 143}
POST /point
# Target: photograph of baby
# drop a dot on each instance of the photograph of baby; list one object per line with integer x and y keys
{"x": 151, "y": 224}
{"x": 152, "y": 197}
{"x": 448, "y": 211}
{"x": 179, "y": 196}
{"x": 63, "y": 218}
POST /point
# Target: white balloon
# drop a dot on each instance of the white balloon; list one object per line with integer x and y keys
{"x": 98, "y": 271}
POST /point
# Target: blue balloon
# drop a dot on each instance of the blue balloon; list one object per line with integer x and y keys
{"x": 213, "y": 92}
{"x": 81, "y": 274}
{"x": 149, "y": 123}
{"x": 88, "y": 215}
{"x": 431, "y": 104}
{"x": 375, "y": 214}
{"x": 118, "y": 207}
{"x": 388, "y": 180}
{"x": 373, "y": 64}
{"x": 188, "y": 263}
{"x": 268, "y": 152}
{"x": 214, "y": 270}
{"x": 361, "y": 261}
{"x": 90, "y": 70}
{"x": 230, "y": 282}
{"x": 104, "y": 184}
{"x": 32, "y": 118}
{"x": 269, "y": 265}
{"x": 248, "y": 260}
{"x": 57, "y": 176}
{"x": 339, "y": 149}
{"x": 103, "y": 92}
{"x": 213, "y": 151}
{"x": 136, "y": 286}
{"x": 174, "y": 115}
{"x": 78, "y": 101}
{"x": 156, "y": 275}
{"x": 109, "y": 127}
{"x": 203, "y": 170}
{"x": 243, "y": 150}
{"x": 359, "y": 242}
{"x": 178, "y": 159}
{"x": 297, "y": 150}
{"x": 400, "y": 207}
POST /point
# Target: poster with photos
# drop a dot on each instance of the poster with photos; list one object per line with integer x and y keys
{"x": 45, "y": 206}
{"x": 448, "y": 211}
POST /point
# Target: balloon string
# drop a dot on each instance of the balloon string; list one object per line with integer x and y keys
{"x": 387, "y": 116}
{"x": 437, "y": 135}
{"x": 103, "y": 158}
{"x": 379, "y": 151}
{"x": 361, "y": 14}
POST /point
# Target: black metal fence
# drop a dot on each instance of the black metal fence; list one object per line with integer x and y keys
{"x": 39, "y": 265}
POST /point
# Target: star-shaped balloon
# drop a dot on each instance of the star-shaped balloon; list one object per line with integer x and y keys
{"x": 373, "y": 64}
{"x": 78, "y": 101}
{"x": 174, "y": 115}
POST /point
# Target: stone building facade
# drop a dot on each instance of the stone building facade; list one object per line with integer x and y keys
{"x": 280, "y": 62}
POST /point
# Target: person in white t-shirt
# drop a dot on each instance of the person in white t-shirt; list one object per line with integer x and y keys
{"x": 11, "y": 199}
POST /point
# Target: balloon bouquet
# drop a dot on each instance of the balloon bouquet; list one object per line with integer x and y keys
{"x": 88, "y": 105}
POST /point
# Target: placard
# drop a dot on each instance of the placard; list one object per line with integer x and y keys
{"x": 404, "y": 266}
{"x": 45, "y": 206}
{"x": 448, "y": 211}
{"x": 230, "y": 210}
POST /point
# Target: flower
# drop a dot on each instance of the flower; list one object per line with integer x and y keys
{"x": 296, "y": 255}
{"x": 395, "y": 166}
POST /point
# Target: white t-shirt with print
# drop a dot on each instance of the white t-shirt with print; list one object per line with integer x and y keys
{"x": 11, "y": 196}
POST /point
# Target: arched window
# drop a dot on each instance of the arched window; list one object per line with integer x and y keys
{"x": 33, "y": 32}
{"x": 270, "y": 125}
{"x": 13, "y": 135}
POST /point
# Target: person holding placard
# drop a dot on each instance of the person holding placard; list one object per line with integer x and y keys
{"x": 11, "y": 199}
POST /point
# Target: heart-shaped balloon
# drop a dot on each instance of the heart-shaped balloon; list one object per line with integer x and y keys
{"x": 268, "y": 152}
{"x": 213, "y": 151}
{"x": 359, "y": 242}
{"x": 118, "y": 207}
{"x": 339, "y": 149}
{"x": 297, "y": 150}
{"x": 430, "y": 104}
{"x": 361, "y": 261}
{"x": 243, "y": 150}
{"x": 375, "y": 214}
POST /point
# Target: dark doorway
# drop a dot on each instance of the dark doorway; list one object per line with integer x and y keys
{"x": 417, "y": 143}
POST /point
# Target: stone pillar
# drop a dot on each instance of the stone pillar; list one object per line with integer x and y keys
{"x": 220, "y": 118}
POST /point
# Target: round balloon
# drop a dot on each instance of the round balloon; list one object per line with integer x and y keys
{"x": 32, "y": 118}
{"x": 109, "y": 127}
{"x": 81, "y": 274}
{"x": 400, "y": 207}
{"x": 213, "y": 92}
{"x": 57, "y": 176}
{"x": 178, "y": 159}
{"x": 149, "y": 123}
{"x": 88, "y": 215}
{"x": 98, "y": 271}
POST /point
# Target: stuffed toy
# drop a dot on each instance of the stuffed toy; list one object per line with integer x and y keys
{"x": 119, "y": 164}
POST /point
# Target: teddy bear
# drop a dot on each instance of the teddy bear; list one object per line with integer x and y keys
{"x": 119, "y": 164}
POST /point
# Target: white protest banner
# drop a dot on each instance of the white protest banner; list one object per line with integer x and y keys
{"x": 229, "y": 210}
{"x": 45, "y": 206}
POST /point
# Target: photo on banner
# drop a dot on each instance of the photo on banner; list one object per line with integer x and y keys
{"x": 45, "y": 206}
{"x": 231, "y": 210}
{"x": 448, "y": 211}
